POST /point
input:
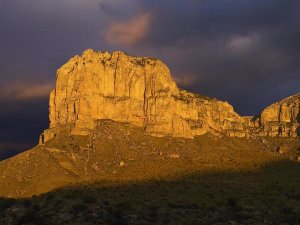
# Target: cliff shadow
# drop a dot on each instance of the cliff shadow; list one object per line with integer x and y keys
{"x": 270, "y": 195}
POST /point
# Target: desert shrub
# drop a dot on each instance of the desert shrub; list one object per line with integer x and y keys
{"x": 26, "y": 203}
{"x": 233, "y": 204}
{"x": 89, "y": 199}
{"x": 36, "y": 207}
{"x": 287, "y": 215}
{"x": 5, "y": 203}
{"x": 117, "y": 217}
{"x": 27, "y": 218}
{"x": 78, "y": 207}
{"x": 49, "y": 197}
{"x": 90, "y": 218}
{"x": 32, "y": 217}
{"x": 124, "y": 205}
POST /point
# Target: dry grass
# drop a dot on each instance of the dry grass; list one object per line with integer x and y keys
{"x": 211, "y": 180}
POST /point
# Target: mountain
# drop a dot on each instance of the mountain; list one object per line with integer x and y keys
{"x": 141, "y": 91}
{"x": 119, "y": 126}
{"x": 136, "y": 90}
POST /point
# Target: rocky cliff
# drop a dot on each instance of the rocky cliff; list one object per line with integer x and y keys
{"x": 136, "y": 90}
{"x": 281, "y": 118}
{"x": 141, "y": 91}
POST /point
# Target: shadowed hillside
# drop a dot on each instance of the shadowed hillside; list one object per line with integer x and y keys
{"x": 119, "y": 175}
{"x": 122, "y": 152}
{"x": 268, "y": 195}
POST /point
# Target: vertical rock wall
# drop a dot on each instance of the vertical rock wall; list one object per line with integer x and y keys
{"x": 141, "y": 91}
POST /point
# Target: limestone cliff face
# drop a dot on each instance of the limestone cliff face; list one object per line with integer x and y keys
{"x": 281, "y": 118}
{"x": 137, "y": 90}
{"x": 100, "y": 85}
{"x": 141, "y": 91}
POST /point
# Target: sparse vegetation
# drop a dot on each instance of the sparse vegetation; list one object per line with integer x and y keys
{"x": 239, "y": 182}
{"x": 264, "y": 197}
{"x": 5, "y": 203}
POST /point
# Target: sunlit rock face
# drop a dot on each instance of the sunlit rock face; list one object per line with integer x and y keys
{"x": 100, "y": 85}
{"x": 281, "y": 118}
{"x": 136, "y": 90}
{"x": 141, "y": 91}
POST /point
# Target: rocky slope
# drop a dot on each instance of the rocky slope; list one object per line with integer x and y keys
{"x": 124, "y": 176}
{"x": 124, "y": 153}
{"x": 120, "y": 175}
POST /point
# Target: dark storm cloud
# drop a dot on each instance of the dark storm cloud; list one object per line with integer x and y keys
{"x": 38, "y": 36}
{"x": 21, "y": 124}
{"x": 246, "y": 52}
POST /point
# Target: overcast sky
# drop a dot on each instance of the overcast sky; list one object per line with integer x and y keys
{"x": 244, "y": 51}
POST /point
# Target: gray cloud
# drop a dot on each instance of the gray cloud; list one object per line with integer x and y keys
{"x": 130, "y": 32}
{"x": 244, "y": 51}
{"x": 20, "y": 91}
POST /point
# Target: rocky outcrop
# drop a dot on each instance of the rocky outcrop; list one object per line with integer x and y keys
{"x": 281, "y": 118}
{"x": 141, "y": 91}
{"x": 136, "y": 90}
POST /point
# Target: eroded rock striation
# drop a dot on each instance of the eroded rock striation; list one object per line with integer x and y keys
{"x": 141, "y": 91}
